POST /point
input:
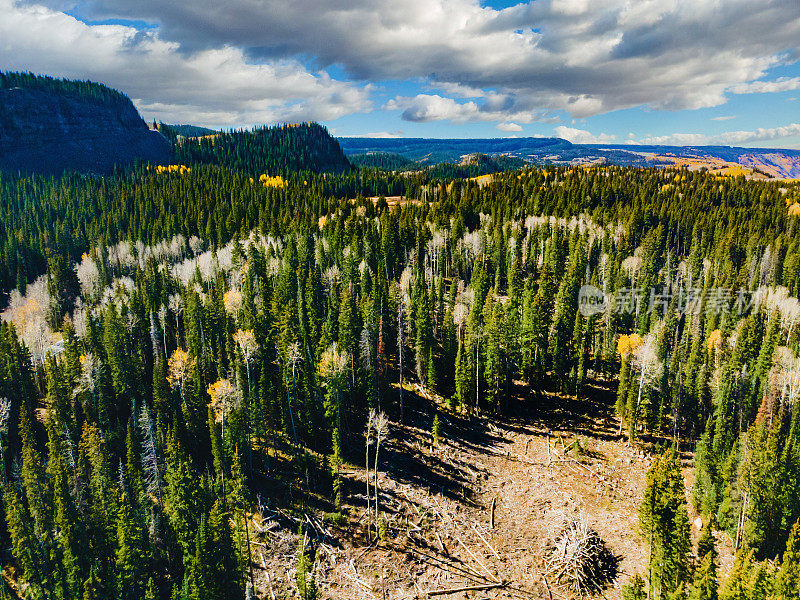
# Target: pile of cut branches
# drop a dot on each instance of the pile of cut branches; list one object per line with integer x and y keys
{"x": 579, "y": 559}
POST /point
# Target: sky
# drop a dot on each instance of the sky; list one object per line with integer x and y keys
{"x": 684, "y": 72}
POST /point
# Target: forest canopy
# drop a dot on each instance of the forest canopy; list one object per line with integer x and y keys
{"x": 179, "y": 342}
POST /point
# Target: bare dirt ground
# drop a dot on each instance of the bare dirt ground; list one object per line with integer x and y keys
{"x": 469, "y": 518}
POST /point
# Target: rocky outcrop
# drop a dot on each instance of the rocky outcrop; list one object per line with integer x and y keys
{"x": 50, "y": 131}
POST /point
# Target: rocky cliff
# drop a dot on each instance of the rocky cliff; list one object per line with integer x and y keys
{"x": 48, "y": 126}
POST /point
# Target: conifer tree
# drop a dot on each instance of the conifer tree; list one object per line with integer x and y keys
{"x": 131, "y": 558}
{"x": 664, "y": 523}
{"x": 787, "y": 579}
{"x": 705, "y": 585}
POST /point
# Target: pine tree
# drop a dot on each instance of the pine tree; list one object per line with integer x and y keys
{"x": 182, "y": 499}
{"x": 705, "y": 583}
{"x": 306, "y": 584}
{"x": 787, "y": 580}
{"x": 65, "y": 519}
{"x": 664, "y": 523}
{"x": 132, "y": 564}
{"x": 25, "y": 545}
{"x": 635, "y": 589}
{"x": 736, "y": 585}
{"x": 92, "y": 590}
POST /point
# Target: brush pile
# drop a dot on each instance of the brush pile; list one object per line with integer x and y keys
{"x": 579, "y": 559}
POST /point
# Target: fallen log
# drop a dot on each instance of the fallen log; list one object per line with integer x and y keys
{"x": 466, "y": 588}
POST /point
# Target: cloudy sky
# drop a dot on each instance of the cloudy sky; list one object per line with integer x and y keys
{"x": 622, "y": 71}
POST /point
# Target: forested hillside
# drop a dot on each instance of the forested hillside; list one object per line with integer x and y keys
{"x": 188, "y": 347}
{"x": 473, "y": 165}
{"x": 277, "y": 150}
{"x": 51, "y": 125}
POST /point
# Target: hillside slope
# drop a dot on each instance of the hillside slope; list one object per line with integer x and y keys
{"x": 475, "y": 509}
{"x": 48, "y": 126}
{"x": 275, "y": 150}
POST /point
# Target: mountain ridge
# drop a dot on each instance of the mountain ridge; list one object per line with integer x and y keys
{"x": 773, "y": 163}
{"x": 51, "y": 125}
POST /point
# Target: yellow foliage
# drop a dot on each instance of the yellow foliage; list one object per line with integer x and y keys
{"x": 246, "y": 340}
{"x": 222, "y": 394}
{"x": 232, "y": 300}
{"x": 276, "y": 182}
{"x": 794, "y": 209}
{"x": 180, "y": 366}
{"x": 179, "y": 169}
{"x": 628, "y": 343}
{"x": 333, "y": 362}
{"x": 714, "y": 341}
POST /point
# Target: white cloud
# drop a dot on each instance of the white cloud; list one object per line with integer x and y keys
{"x": 217, "y": 87}
{"x": 423, "y": 108}
{"x": 509, "y": 126}
{"x": 729, "y": 138}
{"x": 759, "y": 135}
{"x": 517, "y": 64}
{"x": 676, "y": 139}
{"x": 723, "y": 118}
{"x": 378, "y": 134}
{"x": 782, "y": 84}
{"x": 581, "y": 136}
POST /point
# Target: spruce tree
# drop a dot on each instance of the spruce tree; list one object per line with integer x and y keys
{"x": 787, "y": 579}
{"x": 705, "y": 584}
{"x": 664, "y": 523}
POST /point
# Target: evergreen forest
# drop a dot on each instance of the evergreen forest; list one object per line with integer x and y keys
{"x": 183, "y": 344}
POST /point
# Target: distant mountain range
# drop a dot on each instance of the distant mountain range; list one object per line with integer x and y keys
{"x": 54, "y": 125}
{"x": 752, "y": 162}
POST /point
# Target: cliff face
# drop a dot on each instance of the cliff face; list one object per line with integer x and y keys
{"x": 48, "y": 131}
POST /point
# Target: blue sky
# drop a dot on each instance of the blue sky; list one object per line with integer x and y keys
{"x": 615, "y": 71}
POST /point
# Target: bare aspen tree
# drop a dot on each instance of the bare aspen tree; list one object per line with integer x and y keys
{"x": 5, "y": 413}
{"x": 248, "y": 346}
{"x": 87, "y": 380}
{"x": 786, "y": 375}
{"x": 381, "y": 425}
{"x": 162, "y": 319}
{"x": 646, "y": 358}
{"x": 370, "y": 425}
{"x": 790, "y": 313}
{"x": 176, "y": 306}
{"x": 293, "y": 357}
